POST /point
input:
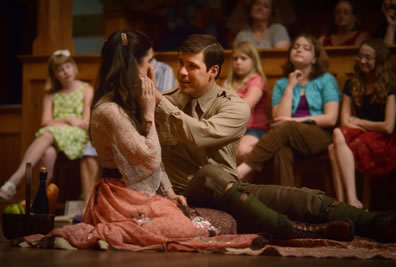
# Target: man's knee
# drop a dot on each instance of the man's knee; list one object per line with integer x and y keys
{"x": 214, "y": 178}
{"x": 208, "y": 185}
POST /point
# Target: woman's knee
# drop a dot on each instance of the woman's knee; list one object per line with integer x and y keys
{"x": 330, "y": 150}
{"x": 49, "y": 154}
{"x": 338, "y": 137}
{"x": 244, "y": 150}
{"x": 47, "y": 137}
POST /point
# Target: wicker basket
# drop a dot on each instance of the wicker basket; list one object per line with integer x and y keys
{"x": 19, "y": 225}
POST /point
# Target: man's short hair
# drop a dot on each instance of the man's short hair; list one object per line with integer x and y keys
{"x": 212, "y": 50}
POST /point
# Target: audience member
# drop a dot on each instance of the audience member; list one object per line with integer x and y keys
{"x": 65, "y": 118}
{"x": 199, "y": 147}
{"x": 345, "y": 30}
{"x": 262, "y": 32}
{"x": 164, "y": 76}
{"x": 247, "y": 79}
{"x": 387, "y": 31}
{"x": 366, "y": 139}
{"x": 304, "y": 108}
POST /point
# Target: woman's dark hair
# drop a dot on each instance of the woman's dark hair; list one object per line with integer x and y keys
{"x": 118, "y": 78}
{"x": 321, "y": 64}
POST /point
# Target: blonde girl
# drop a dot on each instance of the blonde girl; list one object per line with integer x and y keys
{"x": 248, "y": 80}
{"x": 65, "y": 119}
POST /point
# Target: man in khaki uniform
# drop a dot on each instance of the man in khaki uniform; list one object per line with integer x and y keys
{"x": 200, "y": 124}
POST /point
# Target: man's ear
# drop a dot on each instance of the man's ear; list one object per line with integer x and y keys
{"x": 214, "y": 70}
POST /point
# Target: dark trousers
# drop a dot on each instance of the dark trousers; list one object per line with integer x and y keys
{"x": 273, "y": 206}
{"x": 280, "y": 144}
{"x": 208, "y": 185}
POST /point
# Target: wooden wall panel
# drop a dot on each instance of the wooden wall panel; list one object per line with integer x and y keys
{"x": 10, "y": 140}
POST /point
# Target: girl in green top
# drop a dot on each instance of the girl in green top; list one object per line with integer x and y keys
{"x": 65, "y": 119}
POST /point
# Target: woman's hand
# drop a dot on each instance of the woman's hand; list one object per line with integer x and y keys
{"x": 390, "y": 16}
{"x": 280, "y": 119}
{"x": 179, "y": 198}
{"x": 151, "y": 76}
{"x": 148, "y": 98}
{"x": 296, "y": 77}
{"x": 354, "y": 122}
{"x": 73, "y": 121}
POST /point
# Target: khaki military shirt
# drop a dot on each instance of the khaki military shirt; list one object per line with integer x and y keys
{"x": 211, "y": 136}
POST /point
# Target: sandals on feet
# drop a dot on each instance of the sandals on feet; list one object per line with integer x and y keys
{"x": 7, "y": 191}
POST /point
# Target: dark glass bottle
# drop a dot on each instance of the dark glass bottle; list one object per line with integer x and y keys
{"x": 40, "y": 203}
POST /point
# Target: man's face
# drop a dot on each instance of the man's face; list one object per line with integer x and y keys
{"x": 193, "y": 77}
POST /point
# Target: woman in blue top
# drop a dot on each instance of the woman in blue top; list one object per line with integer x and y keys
{"x": 304, "y": 106}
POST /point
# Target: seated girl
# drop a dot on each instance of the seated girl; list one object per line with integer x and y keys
{"x": 247, "y": 79}
{"x": 367, "y": 138}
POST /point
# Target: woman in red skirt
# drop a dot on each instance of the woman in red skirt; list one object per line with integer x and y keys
{"x": 367, "y": 138}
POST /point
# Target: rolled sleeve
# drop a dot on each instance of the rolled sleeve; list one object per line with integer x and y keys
{"x": 228, "y": 124}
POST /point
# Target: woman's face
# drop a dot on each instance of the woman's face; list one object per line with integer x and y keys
{"x": 144, "y": 66}
{"x": 261, "y": 10}
{"x": 343, "y": 15}
{"x": 302, "y": 54}
{"x": 366, "y": 59}
{"x": 241, "y": 63}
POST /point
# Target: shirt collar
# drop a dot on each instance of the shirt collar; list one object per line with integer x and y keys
{"x": 205, "y": 101}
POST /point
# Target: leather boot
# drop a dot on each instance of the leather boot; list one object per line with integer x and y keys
{"x": 384, "y": 226}
{"x": 380, "y": 226}
{"x": 341, "y": 230}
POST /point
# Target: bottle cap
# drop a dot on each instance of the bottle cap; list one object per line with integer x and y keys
{"x": 43, "y": 169}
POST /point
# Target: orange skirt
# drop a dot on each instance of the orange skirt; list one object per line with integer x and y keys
{"x": 130, "y": 220}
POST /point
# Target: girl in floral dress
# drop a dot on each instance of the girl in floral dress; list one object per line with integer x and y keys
{"x": 65, "y": 119}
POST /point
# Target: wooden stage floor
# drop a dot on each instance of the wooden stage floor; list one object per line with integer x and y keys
{"x": 15, "y": 256}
